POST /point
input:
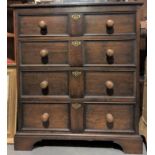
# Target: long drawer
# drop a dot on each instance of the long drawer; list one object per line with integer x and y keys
{"x": 78, "y": 53}
{"x": 94, "y": 117}
{"x": 78, "y": 83}
{"x": 71, "y": 23}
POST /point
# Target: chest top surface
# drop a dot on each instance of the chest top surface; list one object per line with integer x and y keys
{"x": 78, "y": 3}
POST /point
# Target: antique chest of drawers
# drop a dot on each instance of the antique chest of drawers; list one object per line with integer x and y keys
{"x": 78, "y": 73}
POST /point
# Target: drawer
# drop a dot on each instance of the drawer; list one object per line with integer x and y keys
{"x": 115, "y": 84}
{"x": 77, "y": 24}
{"x": 99, "y": 24}
{"x": 44, "y": 52}
{"x": 86, "y": 53}
{"x": 43, "y": 25}
{"x": 109, "y": 117}
{"x": 79, "y": 83}
{"x": 45, "y": 116}
{"x": 110, "y": 52}
{"x": 44, "y": 83}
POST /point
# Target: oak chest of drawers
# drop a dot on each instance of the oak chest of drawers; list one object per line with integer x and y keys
{"x": 78, "y": 73}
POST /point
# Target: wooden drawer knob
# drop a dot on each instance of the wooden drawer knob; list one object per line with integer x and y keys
{"x": 110, "y": 23}
{"x": 43, "y": 53}
{"x": 44, "y": 84}
{"x": 109, "y": 118}
{"x": 45, "y": 117}
{"x": 109, "y": 84}
{"x": 110, "y": 52}
{"x": 42, "y": 24}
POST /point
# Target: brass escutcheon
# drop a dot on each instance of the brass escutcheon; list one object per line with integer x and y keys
{"x": 76, "y": 106}
{"x": 76, "y": 17}
{"x": 76, "y": 73}
{"x": 76, "y": 43}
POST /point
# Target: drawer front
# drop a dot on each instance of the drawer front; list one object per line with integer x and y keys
{"x": 109, "y": 118}
{"x": 110, "y": 52}
{"x": 117, "y": 83}
{"x": 43, "y": 25}
{"x": 45, "y": 116}
{"x": 44, "y": 83}
{"x": 78, "y": 53}
{"x": 118, "y": 24}
{"x": 77, "y": 24}
{"x": 79, "y": 83}
{"x": 42, "y": 52}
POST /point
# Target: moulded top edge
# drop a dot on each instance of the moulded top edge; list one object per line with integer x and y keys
{"x": 32, "y": 5}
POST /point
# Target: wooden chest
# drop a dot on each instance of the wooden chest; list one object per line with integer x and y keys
{"x": 78, "y": 73}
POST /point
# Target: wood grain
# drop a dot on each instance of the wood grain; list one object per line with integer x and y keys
{"x": 77, "y": 69}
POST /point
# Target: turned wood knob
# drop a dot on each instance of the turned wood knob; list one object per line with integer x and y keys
{"x": 45, "y": 117}
{"x": 44, "y": 84}
{"x": 109, "y": 84}
{"x": 109, "y": 118}
{"x": 43, "y": 53}
{"x": 110, "y": 23}
{"x": 42, "y": 24}
{"x": 110, "y": 52}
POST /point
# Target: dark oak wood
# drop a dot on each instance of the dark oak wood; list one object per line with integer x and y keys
{"x": 58, "y": 116}
{"x": 122, "y": 117}
{"x": 96, "y": 83}
{"x": 75, "y": 53}
{"x": 76, "y": 116}
{"x": 76, "y": 24}
{"x": 57, "y": 52}
{"x": 76, "y": 84}
{"x": 96, "y": 52}
{"x": 88, "y": 52}
{"x": 94, "y": 24}
{"x": 57, "y": 83}
{"x": 78, "y": 73}
{"x": 55, "y": 25}
{"x": 130, "y": 144}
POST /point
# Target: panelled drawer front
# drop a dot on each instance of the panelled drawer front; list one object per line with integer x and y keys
{"x": 45, "y": 116}
{"x": 109, "y": 117}
{"x": 44, "y": 83}
{"x": 43, "y": 25}
{"x": 97, "y": 117}
{"x": 79, "y": 83}
{"x": 110, "y": 52}
{"x": 77, "y": 24}
{"x": 78, "y": 53}
{"x": 120, "y": 24}
{"x": 117, "y": 83}
{"x": 44, "y": 52}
